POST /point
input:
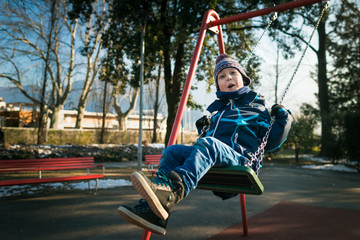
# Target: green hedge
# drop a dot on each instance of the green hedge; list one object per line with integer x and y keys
{"x": 81, "y": 136}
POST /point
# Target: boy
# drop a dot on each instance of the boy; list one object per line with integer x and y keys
{"x": 239, "y": 121}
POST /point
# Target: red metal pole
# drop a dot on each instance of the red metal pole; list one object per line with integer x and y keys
{"x": 261, "y": 12}
{"x": 191, "y": 73}
{"x": 243, "y": 214}
{"x": 146, "y": 235}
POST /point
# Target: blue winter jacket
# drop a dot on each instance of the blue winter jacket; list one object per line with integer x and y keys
{"x": 240, "y": 120}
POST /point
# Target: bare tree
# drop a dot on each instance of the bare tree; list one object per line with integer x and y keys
{"x": 24, "y": 44}
{"x": 96, "y": 24}
{"x": 42, "y": 121}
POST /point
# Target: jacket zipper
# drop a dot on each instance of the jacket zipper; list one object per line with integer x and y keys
{"x": 217, "y": 123}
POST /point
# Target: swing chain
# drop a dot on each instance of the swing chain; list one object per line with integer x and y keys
{"x": 259, "y": 154}
{"x": 273, "y": 17}
{"x": 325, "y": 6}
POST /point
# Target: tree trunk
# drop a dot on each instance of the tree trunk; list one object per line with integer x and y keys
{"x": 156, "y": 106}
{"x": 42, "y": 123}
{"x": 122, "y": 115}
{"x": 93, "y": 44}
{"x": 168, "y": 89}
{"x": 88, "y": 82}
{"x": 122, "y": 122}
{"x": 323, "y": 90}
{"x": 297, "y": 153}
{"x": 81, "y": 106}
{"x": 173, "y": 89}
{"x": 102, "y": 136}
{"x": 57, "y": 117}
{"x": 79, "y": 117}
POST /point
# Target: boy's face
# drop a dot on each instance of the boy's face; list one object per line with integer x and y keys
{"x": 229, "y": 80}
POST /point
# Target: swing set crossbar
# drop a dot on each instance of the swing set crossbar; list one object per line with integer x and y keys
{"x": 261, "y": 12}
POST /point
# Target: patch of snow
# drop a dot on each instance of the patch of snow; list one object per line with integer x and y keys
{"x": 32, "y": 189}
{"x": 322, "y": 160}
{"x": 315, "y": 159}
{"x": 157, "y": 145}
{"x": 333, "y": 167}
{"x": 44, "y": 151}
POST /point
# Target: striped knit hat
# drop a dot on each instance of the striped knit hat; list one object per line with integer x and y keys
{"x": 224, "y": 61}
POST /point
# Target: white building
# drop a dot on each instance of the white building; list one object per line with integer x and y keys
{"x": 93, "y": 120}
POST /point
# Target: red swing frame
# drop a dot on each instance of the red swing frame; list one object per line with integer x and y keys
{"x": 212, "y": 21}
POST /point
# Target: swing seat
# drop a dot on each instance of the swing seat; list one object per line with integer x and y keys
{"x": 232, "y": 179}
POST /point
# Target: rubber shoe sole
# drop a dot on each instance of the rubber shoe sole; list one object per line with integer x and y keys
{"x": 143, "y": 188}
{"x": 140, "y": 222}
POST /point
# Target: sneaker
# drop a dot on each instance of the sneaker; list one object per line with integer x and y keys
{"x": 141, "y": 215}
{"x": 162, "y": 194}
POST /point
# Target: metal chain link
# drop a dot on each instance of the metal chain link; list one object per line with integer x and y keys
{"x": 273, "y": 17}
{"x": 259, "y": 154}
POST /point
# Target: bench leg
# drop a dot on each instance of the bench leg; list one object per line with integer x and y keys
{"x": 96, "y": 187}
{"x": 243, "y": 214}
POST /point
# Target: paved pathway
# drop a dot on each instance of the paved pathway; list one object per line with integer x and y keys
{"x": 81, "y": 215}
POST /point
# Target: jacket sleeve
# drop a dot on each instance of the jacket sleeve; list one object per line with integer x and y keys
{"x": 280, "y": 130}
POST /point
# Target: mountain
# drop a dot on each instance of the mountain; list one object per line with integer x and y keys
{"x": 14, "y": 95}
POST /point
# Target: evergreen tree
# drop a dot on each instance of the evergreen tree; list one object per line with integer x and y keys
{"x": 344, "y": 48}
{"x": 301, "y": 135}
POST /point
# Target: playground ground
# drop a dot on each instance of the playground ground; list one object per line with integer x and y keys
{"x": 297, "y": 204}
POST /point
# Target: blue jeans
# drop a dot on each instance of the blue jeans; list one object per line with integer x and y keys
{"x": 193, "y": 162}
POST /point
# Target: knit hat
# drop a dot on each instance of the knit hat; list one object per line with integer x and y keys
{"x": 224, "y": 61}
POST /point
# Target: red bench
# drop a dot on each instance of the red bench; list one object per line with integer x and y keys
{"x": 50, "y": 164}
{"x": 152, "y": 161}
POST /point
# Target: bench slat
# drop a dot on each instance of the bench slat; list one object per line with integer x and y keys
{"x": 49, "y": 180}
{"x": 49, "y": 164}
{"x": 48, "y": 160}
{"x": 50, "y": 168}
{"x": 4, "y": 163}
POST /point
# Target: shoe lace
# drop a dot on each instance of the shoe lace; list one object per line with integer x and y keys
{"x": 142, "y": 205}
{"x": 162, "y": 180}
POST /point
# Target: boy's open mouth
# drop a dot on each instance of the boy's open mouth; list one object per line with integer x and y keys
{"x": 231, "y": 85}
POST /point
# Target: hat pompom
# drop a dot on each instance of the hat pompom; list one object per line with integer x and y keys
{"x": 221, "y": 56}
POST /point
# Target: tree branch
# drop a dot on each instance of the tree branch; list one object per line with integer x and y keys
{"x": 298, "y": 37}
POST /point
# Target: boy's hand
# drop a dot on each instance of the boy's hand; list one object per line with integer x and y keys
{"x": 276, "y": 109}
{"x": 202, "y": 126}
{"x": 202, "y": 122}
